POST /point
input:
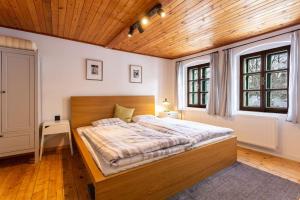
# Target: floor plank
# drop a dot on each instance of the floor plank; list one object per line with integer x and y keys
{"x": 62, "y": 176}
{"x": 284, "y": 168}
{"x": 28, "y": 182}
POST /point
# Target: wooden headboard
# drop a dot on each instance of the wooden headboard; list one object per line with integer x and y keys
{"x": 85, "y": 109}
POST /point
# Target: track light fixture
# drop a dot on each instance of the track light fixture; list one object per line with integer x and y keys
{"x": 131, "y": 29}
{"x": 145, "y": 20}
{"x": 161, "y": 13}
{"x": 157, "y": 9}
{"x": 140, "y": 28}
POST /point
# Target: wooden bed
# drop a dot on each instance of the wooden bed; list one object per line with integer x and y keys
{"x": 156, "y": 180}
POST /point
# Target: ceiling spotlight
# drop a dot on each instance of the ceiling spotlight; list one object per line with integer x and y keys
{"x": 157, "y": 9}
{"x": 161, "y": 13}
{"x": 145, "y": 20}
{"x": 140, "y": 28}
{"x": 130, "y": 32}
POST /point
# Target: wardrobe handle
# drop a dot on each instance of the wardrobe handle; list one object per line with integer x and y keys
{"x": 3, "y": 92}
{"x": 1, "y": 135}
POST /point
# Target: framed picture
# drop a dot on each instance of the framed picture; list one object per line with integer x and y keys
{"x": 94, "y": 70}
{"x": 135, "y": 74}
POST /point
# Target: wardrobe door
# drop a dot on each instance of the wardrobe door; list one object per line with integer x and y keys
{"x": 17, "y": 100}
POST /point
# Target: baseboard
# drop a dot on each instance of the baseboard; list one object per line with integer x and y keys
{"x": 17, "y": 153}
{"x": 270, "y": 152}
{"x": 29, "y": 155}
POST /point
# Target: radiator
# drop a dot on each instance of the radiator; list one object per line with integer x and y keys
{"x": 257, "y": 130}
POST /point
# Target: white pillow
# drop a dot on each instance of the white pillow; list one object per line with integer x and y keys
{"x": 138, "y": 118}
{"x": 108, "y": 122}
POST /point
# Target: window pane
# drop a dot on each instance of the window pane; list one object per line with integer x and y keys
{"x": 193, "y": 98}
{"x": 205, "y": 72}
{"x": 193, "y": 74}
{"x": 204, "y": 86}
{"x": 252, "y": 99}
{"x": 252, "y": 65}
{"x": 252, "y": 82}
{"x": 277, "y": 61}
{"x": 276, "y": 80}
{"x": 204, "y": 98}
{"x": 276, "y": 99}
{"x": 193, "y": 86}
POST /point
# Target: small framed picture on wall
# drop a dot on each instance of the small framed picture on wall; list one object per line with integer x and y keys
{"x": 94, "y": 70}
{"x": 135, "y": 74}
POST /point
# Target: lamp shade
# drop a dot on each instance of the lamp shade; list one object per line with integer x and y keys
{"x": 166, "y": 105}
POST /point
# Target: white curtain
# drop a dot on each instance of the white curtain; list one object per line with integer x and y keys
{"x": 212, "y": 106}
{"x": 180, "y": 86}
{"x": 294, "y": 76}
{"x": 225, "y": 94}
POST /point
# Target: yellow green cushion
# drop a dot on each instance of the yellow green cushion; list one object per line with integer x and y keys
{"x": 123, "y": 113}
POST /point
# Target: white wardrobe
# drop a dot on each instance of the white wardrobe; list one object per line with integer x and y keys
{"x": 19, "y": 102}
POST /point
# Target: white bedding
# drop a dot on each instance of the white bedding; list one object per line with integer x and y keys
{"x": 129, "y": 143}
{"x": 107, "y": 169}
{"x": 195, "y": 131}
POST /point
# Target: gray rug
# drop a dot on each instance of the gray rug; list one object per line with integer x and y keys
{"x": 242, "y": 182}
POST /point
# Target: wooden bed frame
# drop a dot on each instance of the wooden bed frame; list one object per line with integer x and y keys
{"x": 156, "y": 180}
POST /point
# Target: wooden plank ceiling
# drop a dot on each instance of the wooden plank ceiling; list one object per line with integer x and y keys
{"x": 190, "y": 25}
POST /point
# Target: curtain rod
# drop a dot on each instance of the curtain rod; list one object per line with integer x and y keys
{"x": 261, "y": 39}
{"x": 240, "y": 45}
{"x": 196, "y": 56}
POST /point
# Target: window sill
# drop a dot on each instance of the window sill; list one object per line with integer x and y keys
{"x": 245, "y": 113}
{"x": 195, "y": 109}
{"x": 261, "y": 114}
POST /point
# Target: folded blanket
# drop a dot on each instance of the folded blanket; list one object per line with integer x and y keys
{"x": 196, "y": 132}
{"x": 119, "y": 142}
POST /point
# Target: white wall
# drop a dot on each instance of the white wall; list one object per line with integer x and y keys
{"x": 62, "y": 65}
{"x": 288, "y": 133}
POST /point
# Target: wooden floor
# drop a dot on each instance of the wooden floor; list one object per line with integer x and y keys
{"x": 278, "y": 166}
{"x": 57, "y": 176}
{"x": 61, "y": 176}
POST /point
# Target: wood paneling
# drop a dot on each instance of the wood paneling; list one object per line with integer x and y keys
{"x": 194, "y": 26}
{"x": 190, "y": 25}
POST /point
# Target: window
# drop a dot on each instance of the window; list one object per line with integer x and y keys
{"x": 264, "y": 81}
{"x": 198, "y": 85}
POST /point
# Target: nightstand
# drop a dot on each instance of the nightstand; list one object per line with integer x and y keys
{"x": 172, "y": 114}
{"x": 54, "y": 128}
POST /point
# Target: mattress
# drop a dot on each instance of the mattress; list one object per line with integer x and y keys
{"x": 107, "y": 169}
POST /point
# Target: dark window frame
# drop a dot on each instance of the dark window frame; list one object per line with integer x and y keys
{"x": 263, "y": 88}
{"x": 199, "y": 92}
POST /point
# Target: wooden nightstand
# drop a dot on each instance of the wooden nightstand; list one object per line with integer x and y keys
{"x": 53, "y": 128}
{"x": 172, "y": 114}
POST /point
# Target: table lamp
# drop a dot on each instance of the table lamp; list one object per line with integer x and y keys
{"x": 166, "y": 105}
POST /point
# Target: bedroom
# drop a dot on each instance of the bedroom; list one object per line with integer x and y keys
{"x": 204, "y": 61}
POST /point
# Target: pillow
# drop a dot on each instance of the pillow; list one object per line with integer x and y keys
{"x": 108, "y": 122}
{"x": 142, "y": 117}
{"x": 123, "y": 113}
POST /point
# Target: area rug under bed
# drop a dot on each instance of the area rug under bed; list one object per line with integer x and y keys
{"x": 242, "y": 182}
